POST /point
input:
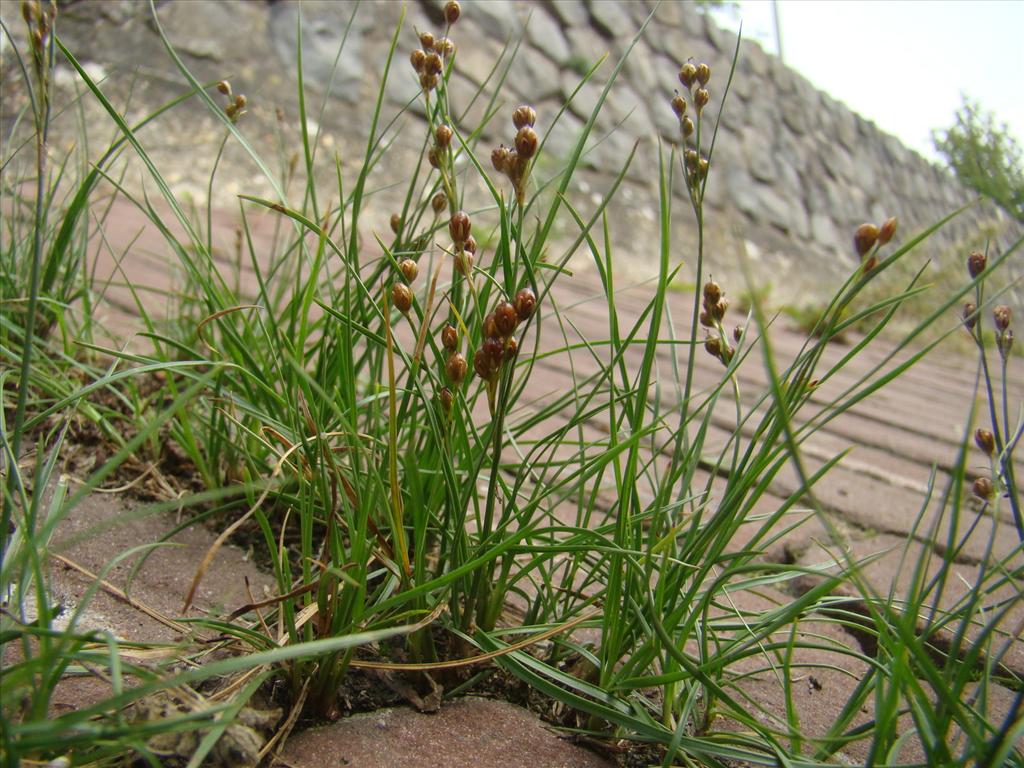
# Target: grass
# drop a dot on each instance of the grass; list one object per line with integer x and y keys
{"x": 397, "y": 499}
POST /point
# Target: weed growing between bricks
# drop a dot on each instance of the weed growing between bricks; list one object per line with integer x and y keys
{"x": 371, "y": 413}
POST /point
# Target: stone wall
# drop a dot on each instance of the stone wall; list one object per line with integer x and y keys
{"x": 793, "y": 171}
{"x": 792, "y": 174}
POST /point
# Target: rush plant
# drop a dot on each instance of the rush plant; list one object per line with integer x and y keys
{"x": 370, "y": 414}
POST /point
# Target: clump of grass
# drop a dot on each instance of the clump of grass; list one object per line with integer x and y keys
{"x": 366, "y": 412}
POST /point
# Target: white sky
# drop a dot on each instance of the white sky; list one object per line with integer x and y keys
{"x": 902, "y": 64}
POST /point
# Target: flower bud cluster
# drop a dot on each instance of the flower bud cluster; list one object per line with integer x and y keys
{"x": 514, "y": 161}
{"x": 442, "y": 145}
{"x": 235, "y": 106}
{"x": 401, "y": 297}
{"x": 985, "y": 441}
{"x": 1002, "y": 316}
{"x": 40, "y": 25}
{"x": 428, "y": 60}
{"x": 499, "y": 345}
{"x": 715, "y": 304}
{"x": 461, "y": 230}
{"x": 970, "y": 315}
{"x": 696, "y": 166}
{"x": 452, "y": 11}
{"x": 983, "y": 487}
{"x": 976, "y": 262}
{"x": 455, "y": 366}
{"x": 868, "y": 238}
{"x": 694, "y": 77}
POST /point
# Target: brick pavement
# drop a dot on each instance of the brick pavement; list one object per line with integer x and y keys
{"x": 875, "y": 496}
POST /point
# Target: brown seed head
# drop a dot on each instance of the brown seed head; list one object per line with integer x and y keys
{"x": 439, "y": 202}
{"x": 864, "y": 238}
{"x": 692, "y": 160}
{"x": 480, "y": 366}
{"x": 713, "y": 345}
{"x": 449, "y": 338}
{"x": 511, "y": 349}
{"x": 426, "y": 40}
{"x": 702, "y": 168}
{"x": 687, "y": 126}
{"x": 444, "y": 46}
{"x": 447, "y": 398}
{"x": 456, "y": 367}
{"x": 687, "y": 74}
{"x": 487, "y": 360}
{"x": 429, "y": 81}
{"x": 459, "y": 227}
{"x": 976, "y": 263}
{"x": 417, "y": 59}
{"x": 434, "y": 157}
{"x": 401, "y": 297}
{"x": 433, "y": 65}
{"x": 396, "y": 223}
{"x": 410, "y": 269}
{"x": 679, "y": 105}
{"x": 701, "y": 98}
{"x": 494, "y": 349}
{"x": 451, "y": 12}
{"x": 986, "y": 441}
{"x": 712, "y": 293}
{"x": 524, "y": 115}
{"x": 887, "y": 230}
{"x": 30, "y": 11}
{"x": 703, "y": 73}
{"x": 490, "y": 326}
{"x": 224, "y": 87}
{"x": 499, "y": 159}
{"x": 525, "y": 303}
{"x": 505, "y": 318}
{"x": 443, "y": 136}
{"x": 240, "y": 102}
{"x": 1001, "y": 316}
{"x": 970, "y": 319}
{"x": 706, "y": 320}
{"x": 718, "y": 310}
{"x": 737, "y": 332}
{"x": 470, "y": 245}
{"x": 982, "y": 488}
{"x": 526, "y": 142}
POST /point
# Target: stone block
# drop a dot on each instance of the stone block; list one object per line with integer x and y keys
{"x": 611, "y": 18}
{"x": 500, "y": 19}
{"x": 586, "y": 45}
{"x": 545, "y": 34}
{"x": 571, "y": 13}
